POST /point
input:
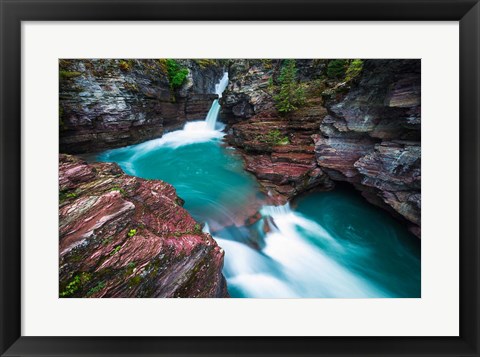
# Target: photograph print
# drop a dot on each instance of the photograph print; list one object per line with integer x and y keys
{"x": 239, "y": 178}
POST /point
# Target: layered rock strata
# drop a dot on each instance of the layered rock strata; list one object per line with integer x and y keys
{"x": 122, "y": 236}
{"x": 107, "y": 103}
{"x": 365, "y": 131}
{"x": 277, "y": 149}
{"x": 371, "y": 137}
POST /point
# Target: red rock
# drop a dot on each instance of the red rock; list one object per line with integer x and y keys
{"x": 122, "y": 236}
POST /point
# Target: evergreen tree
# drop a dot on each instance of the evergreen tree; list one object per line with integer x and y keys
{"x": 291, "y": 94}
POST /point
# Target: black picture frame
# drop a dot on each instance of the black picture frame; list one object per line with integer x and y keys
{"x": 467, "y": 12}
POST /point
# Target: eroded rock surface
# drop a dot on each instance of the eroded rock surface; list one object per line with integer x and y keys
{"x": 365, "y": 131}
{"x": 371, "y": 137}
{"x": 108, "y": 103}
{"x": 123, "y": 236}
{"x": 277, "y": 149}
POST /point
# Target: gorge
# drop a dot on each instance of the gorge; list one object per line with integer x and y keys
{"x": 243, "y": 184}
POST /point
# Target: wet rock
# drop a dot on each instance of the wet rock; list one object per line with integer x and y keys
{"x": 107, "y": 103}
{"x": 371, "y": 137}
{"x": 122, "y": 236}
{"x": 365, "y": 132}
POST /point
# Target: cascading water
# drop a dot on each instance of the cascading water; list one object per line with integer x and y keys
{"x": 220, "y": 86}
{"x": 331, "y": 244}
{"x": 212, "y": 115}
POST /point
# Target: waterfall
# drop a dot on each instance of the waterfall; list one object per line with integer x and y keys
{"x": 220, "y": 86}
{"x": 212, "y": 115}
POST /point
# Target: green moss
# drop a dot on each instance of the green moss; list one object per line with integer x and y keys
{"x": 131, "y": 232}
{"x": 274, "y": 138}
{"x": 354, "y": 69}
{"x": 115, "y": 250}
{"x": 204, "y": 63}
{"x": 69, "y": 74}
{"x": 135, "y": 281}
{"x": 76, "y": 284}
{"x": 96, "y": 288}
{"x": 198, "y": 228}
{"x": 119, "y": 189}
{"x": 125, "y": 65}
{"x": 65, "y": 195}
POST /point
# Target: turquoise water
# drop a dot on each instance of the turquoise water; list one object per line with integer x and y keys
{"x": 331, "y": 244}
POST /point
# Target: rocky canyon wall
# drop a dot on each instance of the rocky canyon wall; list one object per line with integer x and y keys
{"x": 108, "y": 103}
{"x": 123, "y": 236}
{"x": 364, "y": 130}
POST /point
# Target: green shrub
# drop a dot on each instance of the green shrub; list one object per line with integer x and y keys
{"x": 96, "y": 288}
{"x": 274, "y": 138}
{"x": 176, "y": 73}
{"x": 64, "y": 195}
{"x": 354, "y": 69}
{"x": 75, "y": 284}
{"x": 337, "y": 68}
{"x": 291, "y": 95}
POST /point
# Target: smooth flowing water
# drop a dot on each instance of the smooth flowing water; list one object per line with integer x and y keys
{"x": 331, "y": 244}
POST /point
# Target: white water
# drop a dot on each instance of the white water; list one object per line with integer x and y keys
{"x": 192, "y": 133}
{"x": 290, "y": 265}
{"x": 220, "y": 86}
{"x": 212, "y": 115}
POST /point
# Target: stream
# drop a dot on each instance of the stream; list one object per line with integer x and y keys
{"x": 326, "y": 245}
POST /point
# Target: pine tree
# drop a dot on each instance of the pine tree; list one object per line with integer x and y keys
{"x": 291, "y": 94}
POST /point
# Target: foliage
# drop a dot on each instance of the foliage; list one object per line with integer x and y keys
{"x": 119, "y": 189}
{"x": 115, "y": 250}
{"x": 125, "y": 65}
{"x": 64, "y": 195}
{"x": 75, "y": 284}
{"x": 131, "y": 233}
{"x": 343, "y": 69}
{"x": 197, "y": 228}
{"x": 136, "y": 280}
{"x": 96, "y": 288}
{"x": 354, "y": 69}
{"x": 337, "y": 68}
{"x": 291, "y": 94}
{"x": 176, "y": 73}
{"x": 204, "y": 63}
{"x": 274, "y": 137}
{"x": 69, "y": 74}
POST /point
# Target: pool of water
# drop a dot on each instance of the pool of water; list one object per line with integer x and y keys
{"x": 329, "y": 244}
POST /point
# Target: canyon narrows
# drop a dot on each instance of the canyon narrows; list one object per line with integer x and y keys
{"x": 243, "y": 178}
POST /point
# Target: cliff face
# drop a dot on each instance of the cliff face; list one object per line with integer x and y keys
{"x": 277, "y": 149}
{"x": 122, "y": 236}
{"x": 111, "y": 103}
{"x": 371, "y": 137}
{"x": 365, "y": 131}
